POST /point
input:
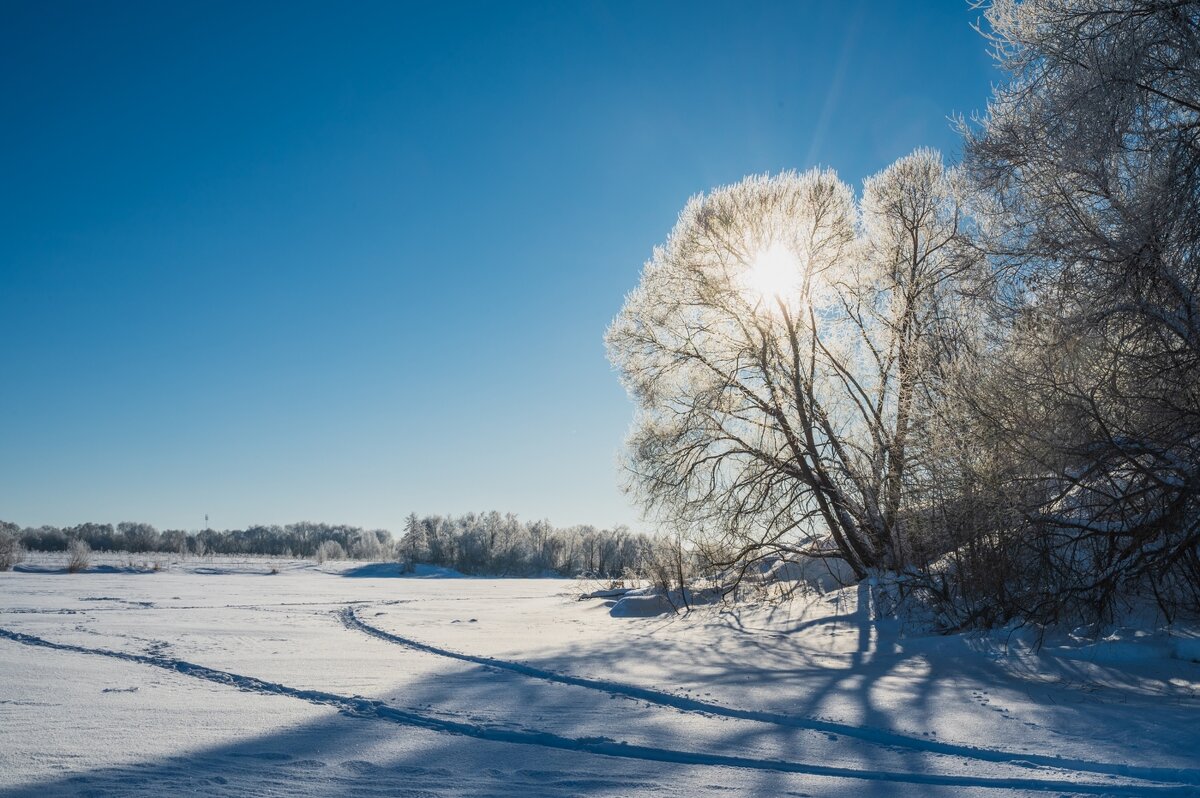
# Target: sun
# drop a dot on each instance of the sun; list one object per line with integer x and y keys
{"x": 774, "y": 276}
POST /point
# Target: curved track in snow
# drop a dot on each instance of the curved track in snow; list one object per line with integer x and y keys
{"x": 358, "y": 707}
{"x": 350, "y": 619}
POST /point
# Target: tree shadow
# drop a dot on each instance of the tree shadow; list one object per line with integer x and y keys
{"x": 881, "y": 681}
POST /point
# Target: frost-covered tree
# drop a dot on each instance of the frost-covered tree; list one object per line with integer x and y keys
{"x": 174, "y": 540}
{"x": 1089, "y": 162}
{"x": 778, "y": 348}
{"x": 330, "y": 550}
{"x": 137, "y": 537}
{"x": 371, "y": 545}
{"x": 11, "y": 551}
{"x": 413, "y": 547}
{"x": 912, "y": 303}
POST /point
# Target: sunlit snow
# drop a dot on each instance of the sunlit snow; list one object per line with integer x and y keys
{"x": 219, "y": 677}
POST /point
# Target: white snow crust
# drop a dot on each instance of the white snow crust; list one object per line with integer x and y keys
{"x": 218, "y": 677}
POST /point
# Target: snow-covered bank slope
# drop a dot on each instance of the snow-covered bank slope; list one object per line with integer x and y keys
{"x": 309, "y": 683}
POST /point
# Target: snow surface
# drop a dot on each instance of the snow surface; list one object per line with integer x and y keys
{"x": 218, "y": 677}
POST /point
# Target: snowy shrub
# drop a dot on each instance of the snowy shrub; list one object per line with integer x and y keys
{"x": 330, "y": 550}
{"x": 11, "y": 551}
{"x": 671, "y": 569}
{"x": 370, "y": 545}
{"x": 79, "y": 555}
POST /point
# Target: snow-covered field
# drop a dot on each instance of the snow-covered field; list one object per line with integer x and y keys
{"x": 220, "y": 678}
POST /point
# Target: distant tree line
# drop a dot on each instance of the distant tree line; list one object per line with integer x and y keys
{"x": 487, "y": 543}
{"x": 301, "y": 539}
{"x": 491, "y": 543}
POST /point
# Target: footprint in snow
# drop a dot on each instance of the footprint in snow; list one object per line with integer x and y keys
{"x": 360, "y": 766}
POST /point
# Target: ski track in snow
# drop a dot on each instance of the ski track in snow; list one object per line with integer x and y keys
{"x": 150, "y": 605}
{"x": 359, "y": 707}
{"x": 350, "y": 619}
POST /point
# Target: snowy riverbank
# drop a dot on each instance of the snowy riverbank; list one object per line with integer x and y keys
{"x": 225, "y": 679}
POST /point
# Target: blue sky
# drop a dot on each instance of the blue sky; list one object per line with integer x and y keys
{"x": 340, "y": 262}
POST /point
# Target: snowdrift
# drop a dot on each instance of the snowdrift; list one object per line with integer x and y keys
{"x": 820, "y": 574}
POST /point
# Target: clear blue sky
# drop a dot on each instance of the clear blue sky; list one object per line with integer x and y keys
{"x": 343, "y": 261}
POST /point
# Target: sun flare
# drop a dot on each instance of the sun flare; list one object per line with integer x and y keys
{"x": 774, "y": 275}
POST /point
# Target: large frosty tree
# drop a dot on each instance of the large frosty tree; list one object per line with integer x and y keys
{"x": 780, "y": 348}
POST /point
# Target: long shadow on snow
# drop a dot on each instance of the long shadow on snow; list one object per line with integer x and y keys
{"x": 875, "y": 657}
{"x": 463, "y": 758}
{"x": 345, "y": 755}
{"x": 335, "y": 756}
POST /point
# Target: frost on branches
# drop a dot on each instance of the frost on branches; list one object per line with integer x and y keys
{"x": 781, "y": 348}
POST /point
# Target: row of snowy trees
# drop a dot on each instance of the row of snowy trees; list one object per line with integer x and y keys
{"x": 503, "y": 545}
{"x": 985, "y": 377}
{"x": 294, "y": 540}
{"x": 486, "y": 543}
